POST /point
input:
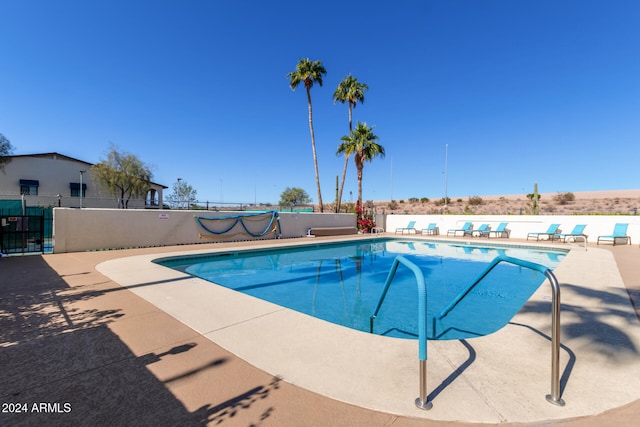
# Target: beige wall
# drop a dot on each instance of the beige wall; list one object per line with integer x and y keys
{"x": 54, "y": 174}
{"x": 97, "y": 229}
{"x": 77, "y": 230}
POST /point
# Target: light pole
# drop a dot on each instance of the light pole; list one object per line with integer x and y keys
{"x": 81, "y": 174}
{"x": 391, "y": 179}
{"x": 446, "y": 163}
{"x": 179, "y": 191}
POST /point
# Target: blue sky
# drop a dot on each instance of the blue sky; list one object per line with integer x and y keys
{"x": 519, "y": 91}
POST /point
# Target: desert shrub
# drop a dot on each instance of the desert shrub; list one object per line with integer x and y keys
{"x": 349, "y": 207}
{"x": 413, "y": 200}
{"x": 475, "y": 200}
{"x": 424, "y": 200}
{"x": 564, "y": 198}
{"x": 441, "y": 201}
{"x": 459, "y": 200}
{"x": 393, "y": 205}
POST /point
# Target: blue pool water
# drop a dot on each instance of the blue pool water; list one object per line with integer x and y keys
{"x": 342, "y": 283}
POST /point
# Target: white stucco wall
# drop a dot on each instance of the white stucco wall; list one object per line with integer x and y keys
{"x": 95, "y": 229}
{"x": 521, "y": 225}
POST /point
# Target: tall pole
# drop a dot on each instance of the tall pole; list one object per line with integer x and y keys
{"x": 179, "y": 195}
{"x": 81, "y": 174}
{"x": 391, "y": 178}
{"x": 337, "y": 196}
{"x": 446, "y": 165}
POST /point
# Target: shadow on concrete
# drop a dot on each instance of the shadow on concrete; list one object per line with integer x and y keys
{"x": 226, "y": 411}
{"x": 594, "y": 321}
{"x": 32, "y": 299}
{"x": 85, "y": 377}
{"x": 455, "y": 374}
{"x": 566, "y": 373}
{"x": 67, "y": 367}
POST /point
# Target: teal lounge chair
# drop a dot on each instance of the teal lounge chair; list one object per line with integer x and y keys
{"x": 619, "y": 233}
{"x": 577, "y": 231}
{"x": 411, "y": 227}
{"x": 481, "y": 231}
{"x": 432, "y": 229}
{"x": 466, "y": 228}
{"x": 553, "y": 229}
{"x": 500, "y": 231}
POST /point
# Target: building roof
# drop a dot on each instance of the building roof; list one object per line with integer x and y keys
{"x": 51, "y": 156}
{"x": 55, "y": 155}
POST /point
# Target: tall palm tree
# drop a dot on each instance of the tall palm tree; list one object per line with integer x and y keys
{"x": 362, "y": 144}
{"x": 349, "y": 90}
{"x": 309, "y": 72}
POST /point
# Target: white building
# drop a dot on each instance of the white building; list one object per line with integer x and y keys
{"x": 52, "y": 179}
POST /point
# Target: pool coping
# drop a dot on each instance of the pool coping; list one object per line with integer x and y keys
{"x": 381, "y": 373}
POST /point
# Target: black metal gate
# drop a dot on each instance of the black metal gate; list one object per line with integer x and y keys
{"x": 20, "y": 234}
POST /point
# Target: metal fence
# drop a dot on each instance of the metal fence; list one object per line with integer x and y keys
{"x": 25, "y": 229}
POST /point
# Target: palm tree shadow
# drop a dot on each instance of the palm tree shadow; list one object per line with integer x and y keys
{"x": 602, "y": 320}
{"x": 226, "y": 411}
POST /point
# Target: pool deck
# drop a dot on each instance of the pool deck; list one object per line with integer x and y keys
{"x": 124, "y": 341}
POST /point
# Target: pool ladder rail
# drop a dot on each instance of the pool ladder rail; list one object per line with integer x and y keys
{"x": 422, "y": 402}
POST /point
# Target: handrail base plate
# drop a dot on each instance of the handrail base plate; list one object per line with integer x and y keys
{"x": 553, "y": 401}
{"x": 423, "y": 405}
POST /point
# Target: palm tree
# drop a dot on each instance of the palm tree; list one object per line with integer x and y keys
{"x": 362, "y": 144}
{"x": 349, "y": 90}
{"x": 309, "y": 72}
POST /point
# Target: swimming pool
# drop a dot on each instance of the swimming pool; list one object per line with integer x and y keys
{"x": 342, "y": 282}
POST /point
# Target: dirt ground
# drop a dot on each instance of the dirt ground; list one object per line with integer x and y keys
{"x": 615, "y": 202}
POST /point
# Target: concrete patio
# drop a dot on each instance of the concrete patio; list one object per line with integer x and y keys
{"x": 71, "y": 335}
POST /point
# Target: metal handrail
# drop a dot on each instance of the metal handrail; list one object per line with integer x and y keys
{"x": 421, "y": 401}
{"x": 554, "y": 397}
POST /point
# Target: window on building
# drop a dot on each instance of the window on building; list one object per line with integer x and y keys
{"x": 29, "y": 187}
{"x": 75, "y": 189}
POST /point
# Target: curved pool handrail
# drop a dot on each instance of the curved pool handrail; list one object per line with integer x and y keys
{"x": 554, "y": 397}
{"x": 497, "y": 260}
{"x": 421, "y": 401}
